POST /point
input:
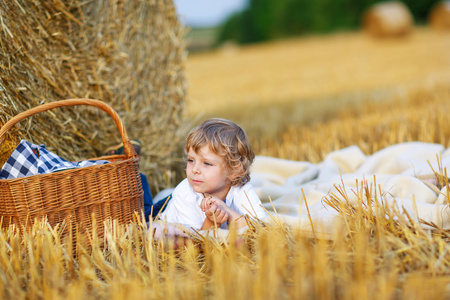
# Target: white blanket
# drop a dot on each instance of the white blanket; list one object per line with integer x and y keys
{"x": 402, "y": 171}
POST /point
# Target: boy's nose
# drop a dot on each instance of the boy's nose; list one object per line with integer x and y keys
{"x": 195, "y": 169}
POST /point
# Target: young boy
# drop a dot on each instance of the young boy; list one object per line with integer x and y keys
{"x": 217, "y": 189}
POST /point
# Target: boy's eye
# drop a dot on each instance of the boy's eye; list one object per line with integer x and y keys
{"x": 207, "y": 164}
{"x": 190, "y": 160}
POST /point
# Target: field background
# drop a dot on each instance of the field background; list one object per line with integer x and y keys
{"x": 270, "y": 87}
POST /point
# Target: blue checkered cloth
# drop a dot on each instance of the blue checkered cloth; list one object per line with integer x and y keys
{"x": 30, "y": 159}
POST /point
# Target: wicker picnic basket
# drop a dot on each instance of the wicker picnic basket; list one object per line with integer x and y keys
{"x": 83, "y": 197}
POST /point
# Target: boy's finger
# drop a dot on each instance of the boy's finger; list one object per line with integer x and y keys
{"x": 222, "y": 216}
{"x": 210, "y": 211}
{"x": 212, "y": 208}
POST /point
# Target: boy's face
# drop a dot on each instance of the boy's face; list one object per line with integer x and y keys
{"x": 206, "y": 172}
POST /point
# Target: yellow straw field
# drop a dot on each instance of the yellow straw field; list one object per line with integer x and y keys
{"x": 379, "y": 255}
{"x": 418, "y": 115}
{"x": 269, "y": 86}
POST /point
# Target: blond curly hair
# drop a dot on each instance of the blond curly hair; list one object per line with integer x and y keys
{"x": 228, "y": 140}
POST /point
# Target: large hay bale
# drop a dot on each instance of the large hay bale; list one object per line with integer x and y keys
{"x": 440, "y": 16}
{"x": 388, "y": 19}
{"x": 126, "y": 53}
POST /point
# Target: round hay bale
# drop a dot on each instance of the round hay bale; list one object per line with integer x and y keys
{"x": 439, "y": 17}
{"x": 7, "y": 148}
{"x": 388, "y": 19}
{"x": 129, "y": 54}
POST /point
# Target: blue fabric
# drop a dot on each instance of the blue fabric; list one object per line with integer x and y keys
{"x": 30, "y": 159}
{"x": 148, "y": 200}
{"x": 158, "y": 207}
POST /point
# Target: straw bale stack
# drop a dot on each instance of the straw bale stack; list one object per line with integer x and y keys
{"x": 388, "y": 19}
{"x": 127, "y": 53}
{"x": 440, "y": 16}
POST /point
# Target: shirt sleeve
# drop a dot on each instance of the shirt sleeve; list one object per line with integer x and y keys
{"x": 250, "y": 202}
{"x": 182, "y": 208}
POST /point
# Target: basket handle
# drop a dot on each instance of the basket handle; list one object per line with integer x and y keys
{"x": 128, "y": 148}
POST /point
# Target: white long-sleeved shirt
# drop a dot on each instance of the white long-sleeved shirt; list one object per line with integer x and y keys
{"x": 184, "y": 207}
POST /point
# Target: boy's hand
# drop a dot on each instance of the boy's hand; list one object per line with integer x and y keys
{"x": 216, "y": 214}
{"x": 232, "y": 215}
{"x": 206, "y": 203}
{"x": 210, "y": 200}
{"x": 169, "y": 231}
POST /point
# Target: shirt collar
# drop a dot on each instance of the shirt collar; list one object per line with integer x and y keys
{"x": 228, "y": 199}
{"x": 230, "y": 196}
